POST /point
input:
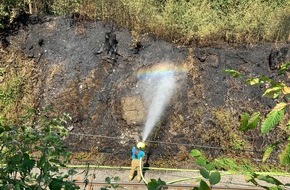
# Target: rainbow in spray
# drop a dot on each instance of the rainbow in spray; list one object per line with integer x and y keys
{"x": 159, "y": 83}
{"x": 161, "y": 69}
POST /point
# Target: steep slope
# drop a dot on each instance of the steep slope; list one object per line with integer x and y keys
{"x": 107, "y": 104}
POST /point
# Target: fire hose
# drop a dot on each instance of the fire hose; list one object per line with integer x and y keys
{"x": 141, "y": 171}
{"x": 170, "y": 182}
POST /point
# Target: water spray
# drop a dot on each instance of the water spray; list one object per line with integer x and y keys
{"x": 161, "y": 98}
{"x": 159, "y": 84}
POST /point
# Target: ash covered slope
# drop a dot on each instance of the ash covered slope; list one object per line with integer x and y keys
{"x": 103, "y": 97}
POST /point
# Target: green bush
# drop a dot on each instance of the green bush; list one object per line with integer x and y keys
{"x": 33, "y": 152}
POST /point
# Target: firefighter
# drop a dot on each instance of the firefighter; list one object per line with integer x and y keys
{"x": 137, "y": 154}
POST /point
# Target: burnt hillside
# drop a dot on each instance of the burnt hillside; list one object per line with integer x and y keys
{"x": 104, "y": 98}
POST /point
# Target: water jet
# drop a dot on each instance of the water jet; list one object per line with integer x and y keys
{"x": 159, "y": 83}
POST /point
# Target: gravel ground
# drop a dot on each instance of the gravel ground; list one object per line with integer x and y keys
{"x": 185, "y": 177}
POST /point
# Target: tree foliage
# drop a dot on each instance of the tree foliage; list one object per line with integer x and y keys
{"x": 35, "y": 144}
{"x": 279, "y": 92}
{"x": 211, "y": 176}
{"x": 272, "y": 120}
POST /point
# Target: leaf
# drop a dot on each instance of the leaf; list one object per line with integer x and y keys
{"x": 268, "y": 150}
{"x": 154, "y": 184}
{"x": 253, "y": 121}
{"x": 251, "y": 178}
{"x": 72, "y": 172}
{"x": 288, "y": 125}
{"x": 114, "y": 185}
{"x": 249, "y": 123}
{"x": 273, "y": 118}
{"x": 264, "y": 79}
{"x": 258, "y": 81}
{"x": 1, "y": 129}
{"x": 228, "y": 164}
{"x": 283, "y": 68}
{"x": 116, "y": 178}
{"x": 210, "y": 167}
{"x": 284, "y": 156}
{"x": 269, "y": 179}
{"x": 280, "y": 106}
{"x": 244, "y": 121}
{"x": 248, "y": 177}
{"x": 214, "y": 178}
{"x": 108, "y": 180}
{"x": 28, "y": 163}
{"x": 203, "y": 185}
{"x": 204, "y": 173}
{"x": 195, "y": 153}
{"x": 55, "y": 184}
{"x": 160, "y": 182}
{"x": 273, "y": 92}
{"x": 286, "y": 90}
{"x": 15, "y": 159}
{"x": 200, "y": 161}
{"x": 234, "y": 73}
{"x": 253, "y": 81}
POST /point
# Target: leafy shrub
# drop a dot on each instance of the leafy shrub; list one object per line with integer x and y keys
{"x": 33, "y": 152}
{"x": 207, "y": 171}
{"x": 280, "y": 92}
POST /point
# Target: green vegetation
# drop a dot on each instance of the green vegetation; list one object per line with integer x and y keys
{"x": 30, "y": 140}
{"x": 276, "y": 117}
{"x": 9, "y": 92}
{"x": 156, "y": 184}
{"x": 33, "y": 152}
{"x": 211, "y": 175}
{"x": 112, "y": 183}
{"x": 17, "y": 86}
{"x": 180, "y": 21}
{"x": 229, "y": 137}
{"x": 207, "y": 171}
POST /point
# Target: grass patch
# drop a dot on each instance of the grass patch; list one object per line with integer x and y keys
{"x": 229, "y": 136}
{"x": 179, "y": 21}
{"x": 187, "y": 21}
{"x": 17, "y": 85}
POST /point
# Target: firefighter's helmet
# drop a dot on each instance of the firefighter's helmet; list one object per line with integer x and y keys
{"x": 141, "y": 145}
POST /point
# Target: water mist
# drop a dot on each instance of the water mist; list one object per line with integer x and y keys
{"x": 159, "y": 88}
